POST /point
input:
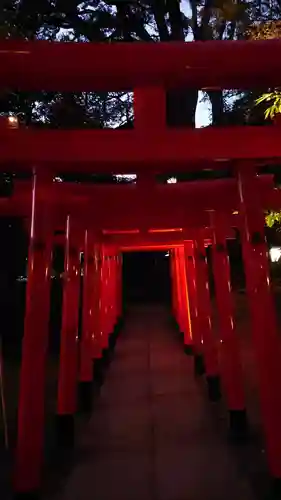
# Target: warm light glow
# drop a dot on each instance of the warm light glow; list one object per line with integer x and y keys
{"x": 125, "y": 231}
{"x": 167, "y": 254}
{"x": 172, "y": 180}
{"x": 13, "y": 121}
{"x": 169, "y": 230}
{"x": 57, "y": 179}
{"x": 275, "y": 254}
{"x": 235, "y": 212}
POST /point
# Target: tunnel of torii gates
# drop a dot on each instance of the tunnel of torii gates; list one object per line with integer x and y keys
{"x": 104, "y": 221}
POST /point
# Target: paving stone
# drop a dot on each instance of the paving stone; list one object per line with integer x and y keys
{"x": 152, "y": 434}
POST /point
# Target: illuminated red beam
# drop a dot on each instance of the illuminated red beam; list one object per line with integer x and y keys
{"x": 220, "y": 194}
{"x": 116, "y": 232}
{"x": 193, "y": 193}
{"x": 121, "y": 208}
{"x": 168, "y": 230}
{"x": 166, "y": 239}
{"x": 124, "y": 151}
{"x": 154, "y": 248}
{"x": 150, "y": 248}
{"x": 121, "y": 220}
{"x": 121, "y": 66}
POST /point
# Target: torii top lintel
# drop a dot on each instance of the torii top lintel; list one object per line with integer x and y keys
{"x": 127, "y": 151}
{"x": 123, "y": 206}
{"x": 43, "y": 65}
{"x": 138, "y": 66}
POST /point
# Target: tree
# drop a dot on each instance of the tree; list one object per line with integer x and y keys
{"x": 109, "y": 21}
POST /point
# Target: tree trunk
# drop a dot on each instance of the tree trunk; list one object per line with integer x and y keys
{"x": 181, "y": 103}
{"x": 216, "y": 99}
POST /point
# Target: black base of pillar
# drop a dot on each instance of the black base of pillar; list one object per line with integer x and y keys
{"x": 214, "y": 388}
{"x": 85, "y": 396}
{"x": 26, "y": 495}
{"x": 199, "y": 365}
{"x": 275, "y": 492}
{"x": 98, "y": 371}
{"x": 238, "y": 425}
{"x": 106, "y": 356}
{"x": 112, "y": 342}
{"x": 65, "y": 430}
{"x": 119, "y": 323}
{"x": 188, "y": 349}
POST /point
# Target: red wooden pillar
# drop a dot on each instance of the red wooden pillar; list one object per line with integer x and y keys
{"x": 105, "y": 301}
{"x": 173, "y": 283}
{"x": 97, "y": 319}
{"x": 199, "y": 365}
{"x": 96, "y": 300}
{"x": 86, "y": 364}
{"x": 30, "y": 439}
{"x": 112, "y": 291}
{"x": 115, "y": 299}
{"x": 118, "y": 299}
{"x": 68, "y": 368}
{"x": 185, "y": 303}
{"x": 231, "y": 369}
{"x": 179, "y": 318}
{"x": 120, "y": 288}
{"x": 264, "y": 329}
{"x": 115, "y": 290}
{"x": 204, "y": 319}
{"x": 109, "y": 299}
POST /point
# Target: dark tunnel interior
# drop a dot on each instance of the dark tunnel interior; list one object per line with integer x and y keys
{"x": 146, "y": 277}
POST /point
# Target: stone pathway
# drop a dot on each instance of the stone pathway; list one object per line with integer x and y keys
{"x": 152, "y": 435}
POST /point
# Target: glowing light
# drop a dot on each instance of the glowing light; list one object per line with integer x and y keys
{"x": 57, "y": 179}
{"x": 275, "y": 254}
{"x": 126, "y": 177}
{"x": 125, "y": 231}
{"x": 235, "y": 212}
{"x": 13, "y": 121}
{"x": 167, "y": 254}
{"x": 168, "y": 230}
{"x": 172, "y": 180}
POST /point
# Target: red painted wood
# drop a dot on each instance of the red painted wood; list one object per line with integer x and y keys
{"x": 86, "y": 366}
{"x": 127, "y": 151}
{"x": 264, "y": 328}
{"x": 31, "y": 403}
{"x": 209, "y": 347}
{"x": 68, "y": 366}
{"x": 121, "y": 66}
{"x": 230, "y": 365}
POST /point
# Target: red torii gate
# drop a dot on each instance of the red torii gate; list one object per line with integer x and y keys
{"x": 148, "y": 70}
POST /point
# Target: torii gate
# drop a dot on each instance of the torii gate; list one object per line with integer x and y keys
{"x": 148, "y": 70}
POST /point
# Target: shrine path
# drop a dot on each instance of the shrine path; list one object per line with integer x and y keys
{"x": 153, "y": 435}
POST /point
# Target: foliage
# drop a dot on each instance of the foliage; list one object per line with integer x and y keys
{"x": 264, "y": 30}
{"x": 273, "y": 218}
{"x": 109, "y": 21}
{"x": 270, "y": 101}
{"x": 275, "y": 99}
{"x": 142, "y": 20}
